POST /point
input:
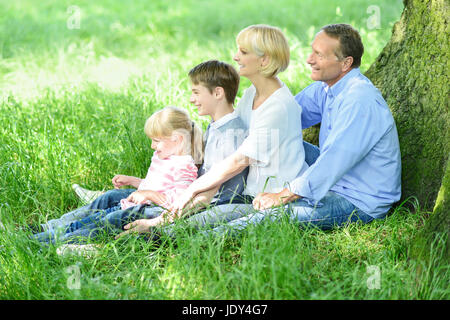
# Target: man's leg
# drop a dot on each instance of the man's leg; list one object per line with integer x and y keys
{"x": 334, "y": 211}
{"x": 311, "y": 153}
{"x": 110, "y": 199}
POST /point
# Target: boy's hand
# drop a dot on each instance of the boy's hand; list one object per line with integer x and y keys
{"x": 139, "y": 226}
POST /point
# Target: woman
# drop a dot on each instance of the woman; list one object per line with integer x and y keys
{"x": 273, "y": 149}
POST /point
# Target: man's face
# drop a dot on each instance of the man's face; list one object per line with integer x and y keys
{"x": 324, "y": 63}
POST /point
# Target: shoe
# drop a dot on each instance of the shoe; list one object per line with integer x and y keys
{"x": 87, "y": 196}
{"x": 86, "y": 250}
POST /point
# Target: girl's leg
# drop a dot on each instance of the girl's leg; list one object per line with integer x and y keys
{"x": 110, "y": 223}
{"x": 110, "y": 199}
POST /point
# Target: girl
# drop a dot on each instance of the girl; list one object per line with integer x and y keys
{"x": 176, "y": 141}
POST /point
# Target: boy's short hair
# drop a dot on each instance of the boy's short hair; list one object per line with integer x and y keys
{"x": 350, "y": 43}
{"x": 214, "y": 73}
{"x": 263, "y": 39}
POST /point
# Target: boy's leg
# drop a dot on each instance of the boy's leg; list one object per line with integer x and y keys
{"x": 92, "y": 218}
{"x": 213, "y": 217}
{"x": 109, "y": 199}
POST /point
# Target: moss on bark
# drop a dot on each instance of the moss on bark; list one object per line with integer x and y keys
{"x": 412, "y": 74}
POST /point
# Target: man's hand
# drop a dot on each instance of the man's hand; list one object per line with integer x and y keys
{"x": 267, "y": 200}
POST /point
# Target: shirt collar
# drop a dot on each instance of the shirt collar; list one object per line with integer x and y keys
{"x": 217, "y": 124}
{"x": 336, "y": 89}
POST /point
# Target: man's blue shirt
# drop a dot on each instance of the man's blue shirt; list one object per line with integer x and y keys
{"x": 359, "y": 149}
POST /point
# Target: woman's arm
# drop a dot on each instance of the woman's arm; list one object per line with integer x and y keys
{"x": 214, "y": 178}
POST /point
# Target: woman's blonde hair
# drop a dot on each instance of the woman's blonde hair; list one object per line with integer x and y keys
{"x": 263, "y": 40}
{"x": 170, "y": 120}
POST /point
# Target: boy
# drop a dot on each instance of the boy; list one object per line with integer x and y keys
{"x": 214, "y": 88}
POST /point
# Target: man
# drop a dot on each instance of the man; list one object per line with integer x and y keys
{"x": 355, "y": 175}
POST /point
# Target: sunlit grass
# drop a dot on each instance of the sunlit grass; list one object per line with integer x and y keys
{"x": 74, "y": 102}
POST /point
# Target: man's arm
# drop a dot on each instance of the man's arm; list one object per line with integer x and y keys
{"x": 309, "y": 99}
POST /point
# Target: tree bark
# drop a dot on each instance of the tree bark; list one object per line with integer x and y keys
{"x": 412, "y": 73}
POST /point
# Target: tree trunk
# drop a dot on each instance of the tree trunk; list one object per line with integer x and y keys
{"x": 412, "y": 74}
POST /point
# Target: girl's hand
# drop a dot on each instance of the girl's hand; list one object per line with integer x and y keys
{"x": 120, "y": 180}
{"x": 138, "y": 197}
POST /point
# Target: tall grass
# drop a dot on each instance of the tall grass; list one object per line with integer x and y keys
{"x": 74, "y": 102}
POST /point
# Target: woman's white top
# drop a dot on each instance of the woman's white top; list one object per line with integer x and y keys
{"x": 275, "y": 141}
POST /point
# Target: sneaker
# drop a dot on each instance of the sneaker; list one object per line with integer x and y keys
{"x": 86, "y": 250}
{"x": 87, "y": 196}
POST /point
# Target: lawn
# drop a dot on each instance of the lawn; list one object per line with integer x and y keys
{"x": 79, "y": 78}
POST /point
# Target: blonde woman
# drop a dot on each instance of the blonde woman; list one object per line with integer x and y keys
{"x": 176, "y": 141}
{"x": 273, "y": 150}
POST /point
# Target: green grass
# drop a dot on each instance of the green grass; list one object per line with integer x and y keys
{"x": 73, "y": 105}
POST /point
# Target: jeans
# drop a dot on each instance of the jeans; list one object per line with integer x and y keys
{"x": 107, "y": 200}
{"x": 332, "y": 211}
{"x": 109, "y": 221}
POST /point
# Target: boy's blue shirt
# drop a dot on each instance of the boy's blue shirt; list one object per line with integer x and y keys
{"x": 222, "y": 138}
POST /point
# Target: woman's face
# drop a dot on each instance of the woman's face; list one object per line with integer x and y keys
{"x": 249, "y": 63}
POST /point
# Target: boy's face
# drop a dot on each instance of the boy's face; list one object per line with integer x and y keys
{"x": 203, "y": 99}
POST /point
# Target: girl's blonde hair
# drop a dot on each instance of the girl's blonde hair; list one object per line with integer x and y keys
{"x": 263, "y": 40}
{"x": 170, "y": 120}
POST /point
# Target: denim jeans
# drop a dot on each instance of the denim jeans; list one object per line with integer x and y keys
{"x": 333, "y": 210}
{"x": 104, "y": 222}
{"x": 109, "y": 199}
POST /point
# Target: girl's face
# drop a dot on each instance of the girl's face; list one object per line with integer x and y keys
{"x": 249, "y": 63}
{"x": 167, "y": 146}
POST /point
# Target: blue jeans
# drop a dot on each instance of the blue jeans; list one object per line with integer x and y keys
{"x": 109, "y": 221}
{"x": 333, "y": 210}
{"x": 107, "y": 200}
